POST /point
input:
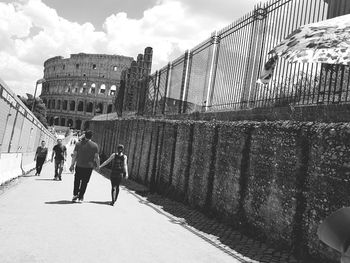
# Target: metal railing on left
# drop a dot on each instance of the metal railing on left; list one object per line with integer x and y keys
{"x": 20, "y": 131}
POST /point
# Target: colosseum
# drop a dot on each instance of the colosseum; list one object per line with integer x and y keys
{"x": 84, "y": 85}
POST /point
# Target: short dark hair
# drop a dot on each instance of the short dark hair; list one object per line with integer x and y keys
{"x": 59, "y": 140}
{"x": 88, "y": 134}
{"x": 43, "y": 141}
{"x": 120, "y": 146}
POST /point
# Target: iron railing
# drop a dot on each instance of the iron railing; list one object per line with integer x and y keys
{"x": 221, "y": 72}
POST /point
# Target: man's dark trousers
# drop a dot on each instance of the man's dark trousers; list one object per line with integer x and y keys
{"x": 81, "y": 180}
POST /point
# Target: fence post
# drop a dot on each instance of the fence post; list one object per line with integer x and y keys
{"x": 167, "y": 83}
{"x": 212, "y": 73}
{"x": 183, "y": 83}
{"x": 156, "y": 89}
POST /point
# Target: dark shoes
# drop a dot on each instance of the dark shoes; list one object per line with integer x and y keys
{"x": 75, "y": 199}
{"x": 112, "y": 203}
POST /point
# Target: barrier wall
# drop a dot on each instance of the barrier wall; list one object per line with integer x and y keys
{"x": 277, "y": 180}
{"x": 20, "y": 134}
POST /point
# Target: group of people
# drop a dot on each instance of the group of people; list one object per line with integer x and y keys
{"x": 85, "y": 158}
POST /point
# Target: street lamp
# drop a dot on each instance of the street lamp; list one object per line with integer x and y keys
{"x": 40, "y": 81}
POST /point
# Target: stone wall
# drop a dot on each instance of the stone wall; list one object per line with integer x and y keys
{"x": 276, "y": 180}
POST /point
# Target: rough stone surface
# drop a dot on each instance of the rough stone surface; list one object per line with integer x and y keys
{"x": 145, "y": 158}
{"x": 276, "y": 180}
{"x": 329, "y": 179}
{"x": 166, "y": 156}
{"x": 182, "y": 160}
{"x": 226, "y": 184}
{"x": 270, "y": 202}
{"x": 203, "y": 136}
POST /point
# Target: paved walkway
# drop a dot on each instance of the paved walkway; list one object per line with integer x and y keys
{"x": 38, "y": 223}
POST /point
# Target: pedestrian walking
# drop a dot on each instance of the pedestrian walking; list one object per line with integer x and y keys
{"x": 40, "y": 157}
{"x": 119, "y": 170}
{"x": 60, "y": 153}
{"x": 85, "y": 158}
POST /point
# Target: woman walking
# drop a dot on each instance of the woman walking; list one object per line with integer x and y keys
{"x": 119, "y": 170}
{"x": 40, "y": 157}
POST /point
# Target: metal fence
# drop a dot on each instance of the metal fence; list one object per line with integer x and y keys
{"x": 20, "y": 131}
{"x": 221, "y": 72}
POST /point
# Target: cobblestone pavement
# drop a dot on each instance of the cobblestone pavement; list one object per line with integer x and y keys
{"x": 223, "y": 237}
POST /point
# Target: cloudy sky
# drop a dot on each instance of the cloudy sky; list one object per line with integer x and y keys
{"x": 32, "y": 31}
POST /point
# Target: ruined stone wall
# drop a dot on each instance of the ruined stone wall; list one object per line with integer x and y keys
{"x": 276, "y": 180}
{"x": 79, "y": 87}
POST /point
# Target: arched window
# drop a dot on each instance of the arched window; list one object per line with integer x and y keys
{"x": 65, "y": 105}
{"x": 113, "y": 90}
{"x": 45, "y": 102}
{"x": 70, "y": 123}
{"x": 99, "y": 108}
{"x": 109, "y": 108}
{"x": 53, "y": 104}
{"x": 103, "y": 89}
{"x": 114, "y": 68}
{"x": 72, "y": 105}
{"x": 49, "y": 104}
{"x": 93, "y": 88}
{"x": 89, "y": 107}
{"x": 81, "y": 106}
{"x": 59, "y": 104}
{"x": 78, "y": 124}
{"x": 63, "y": 122}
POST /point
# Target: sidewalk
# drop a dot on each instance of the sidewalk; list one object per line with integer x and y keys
{"x": 39, "y": 223}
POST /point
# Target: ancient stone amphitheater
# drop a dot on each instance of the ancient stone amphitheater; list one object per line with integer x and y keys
{"x": 84, "y": 85}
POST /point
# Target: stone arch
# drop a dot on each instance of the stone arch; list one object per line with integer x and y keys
{"x": 103, "y": 89}
{"x": 99, "y": 108}
{"x": 65, "y": 105}
{"x": 58, "y": 104}
{"x": 72, "y": 105}
{"x": 113, "y": 90}
{"x": 80, "y": 106}
{"x": 109, "y": 108}
{"x": 86, "y": 125}
{"x": 92, "y": 88}
{"x": 70, "y": 123}
{"x": 56, "y": 120}
{"x": 63, "y": 122}
{"x": 78, "y": 124}
{"x": 89, "y": 107}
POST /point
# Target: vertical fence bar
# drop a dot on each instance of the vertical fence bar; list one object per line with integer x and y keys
{"x": 212, "y": 71}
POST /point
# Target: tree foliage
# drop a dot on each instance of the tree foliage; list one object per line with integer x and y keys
{"x": 39, "y": 107}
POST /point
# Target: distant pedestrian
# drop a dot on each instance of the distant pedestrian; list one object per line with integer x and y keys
{"x": 119, "y": 170}
{"x": 40, "y": 157}
{"x": 60, "y": 153}
{"x": 85, "y": 158}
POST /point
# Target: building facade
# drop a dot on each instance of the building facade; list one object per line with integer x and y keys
{"x": 80, "y": 87}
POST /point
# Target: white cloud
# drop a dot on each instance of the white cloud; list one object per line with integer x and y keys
{"x": 170, "y": 28}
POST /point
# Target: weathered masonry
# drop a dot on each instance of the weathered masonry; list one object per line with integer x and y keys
{"x": 84, "y": 85}
{"x": 276, "y": 179}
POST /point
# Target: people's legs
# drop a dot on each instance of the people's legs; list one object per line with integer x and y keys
{"x": 39, "y": 164}
{"x": 60, "y": 169}
{"x": 115, "y": 182}
{"x": 77, "y": 181}
{"x": 56, "y": 168}
{"x": 84, "y": 182}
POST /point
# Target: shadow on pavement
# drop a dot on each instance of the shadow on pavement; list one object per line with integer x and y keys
{"x": 44, "y": 180}
{"x": 220, "y": 235}
{"x": 61, "y": 202}
{"x": 100, "y": 202}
